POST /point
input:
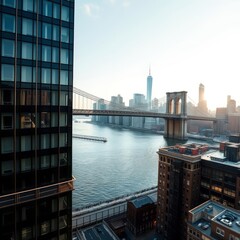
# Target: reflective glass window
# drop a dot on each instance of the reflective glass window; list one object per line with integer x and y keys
{"x": 9, "y": 3}
{"x": 54, "y": 119}
{"x": 27, "y": 50}
{"x": 47, "y": 8}
{"x": 25, "y": 164}
{"x": 46, "y": 75}
{"x": 45, "y": 100}
{"x": 65, "y": 35}
{"x": 63, "y": 98}
{"x": 27, "y": 27}
{"x": 28, "y": 5}
{"x": 63, "y": 119}
{"x": 54, "y": 98}
{"x": 7, "y": 144}
{"x": 64, "y": 56}
{"x": 65, "y": 13}
{"x": 54, "y": 140}
{"x": 55, "y": 33}
{"x": 54, "y": 76}
{"x": 45, "y": 141}
{"x": 56, "y": 10}
{"x": 25, "y": 143}
{"x": 26, "y": 75}
{"x": 46, "y": 53}
{"x": 46, "y": 30}
{"x": 7, "y": 167}
{"x": 7, "y": 72}
{"x": 7, "y": 121}
{"x": 8, "y": 48}
{"x": 55, "y": 55}
{"x": 64, "y": 77}
{"x": 8, "y": 23}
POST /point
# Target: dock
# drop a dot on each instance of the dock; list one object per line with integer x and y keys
{"x": 91, "y": 138}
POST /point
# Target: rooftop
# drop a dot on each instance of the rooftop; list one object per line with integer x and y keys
{"x": 205, "y": 214}
{"x": 141, "y": 201}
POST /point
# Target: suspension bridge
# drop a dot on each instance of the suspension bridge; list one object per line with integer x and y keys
{"x": 175, "y": 117}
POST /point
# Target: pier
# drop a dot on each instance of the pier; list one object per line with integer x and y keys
{"x": 91, "y": 138}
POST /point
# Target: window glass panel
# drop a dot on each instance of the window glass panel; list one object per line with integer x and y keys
{"x": 45, "y": 162}
{"x": 45, "y": 119}
{"x": 7, "y": 97}
{"x": 63, "y": 140}
{"x": 65, "y": 35}
{"x": 63, "y": 119}
{"x": 54, "y": 98}
{"x": 7, "y": 145}
{"x": 45, "y": 141}
{"x": 64, "y": 56}
{"x": 64, "y": 77}
{"x": 55, "y": 33}
{"x": 8, "y": 48}
{"x": 7, "y": 122}
{"x": 56, "y": 10}
{"x": 25, "y": 143}
{"x": 47, "y": 8}
{"x": 26, "y": 75}
{"x": 7, "y": 167}
{"x": 46, "y": 30}
{"x": 65, "y": 13}
{"x": 54, "y": 140}
{"x": 63, "y": 98}
{"x": 26, "y": 50}
{"x": 46, "y": 75}
{"x": 9, "y": 3}
{"x": 46, "y": 53}
{"x": 27, "y": 121}
{"x": 54, "y": 76}
{"x": 26, "y": 97}
{"x": 8, "y": 23}
{"x": 25, "y": 164}
{"x": 54, "y": 119}
{"x": 55, "y": 55}
{"x": 27, "y": 27}
{"x": 7, "y": 72}
{"x": 28, "y": 5}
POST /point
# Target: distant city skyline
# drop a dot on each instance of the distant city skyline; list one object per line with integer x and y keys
{"x": 185, "y": 42}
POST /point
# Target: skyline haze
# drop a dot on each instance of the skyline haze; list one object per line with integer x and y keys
{"x": 185, "y": 42}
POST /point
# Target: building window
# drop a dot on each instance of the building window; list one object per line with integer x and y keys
{"x": 54, "y": 119}
{"x": 54, "y": 140}
{"x": 55, "y": 76}
{"x": 46, "y": 30}
{"x": 63, "y": 98}
{"x": 28, "y": 5}
{"x": 25, "y": 143}
{"x": 26, "y": 75}
{"x": 64, "y": 56}
{"x": 7, "y": 122}
{"x": 63, "y": 140}
{"x": 7, "y": 97}
{"x": 27, "y": 27}
{"x": 55, "y": 55}
{"x": 46, "y": 53}
{"x": 7, "y": 167}
{"x": 8, "y": 48}
{"x": 45, "y": 143}
{"x": 7, "y": 72}
{"x": 62, "y": 221}
{"x": 26, "y": 164}
{"x": 45, "y": 119}
{"x": 47, "y": 8}
{"x": 56, "y": 10}
{"x": 62, "y": 203}
{"x": 46, "y": 75}
{"x": 27, "y": 51}
{"x": 55, "y": 33}
{"x": 26, "y": 233}
{"x": 65, "y": 14}
{"x": 220, "y": 231}
{"x": 63, "y": 77}
{"x": 9, "y": 3}
{"x": 63, "y": 159}
{"x": 7, "y": 145}
{"x": 45, "y": 162}
{"x": 63, "y": 119}
{"x": 64, "y": 35}
{"x": 8, "y": 23}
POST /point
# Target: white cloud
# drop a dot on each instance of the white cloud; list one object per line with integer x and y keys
{"x": 91, "y": 10}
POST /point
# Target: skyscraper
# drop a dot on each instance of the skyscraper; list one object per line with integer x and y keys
{"x": 149, "y": 89}
{"x": 36, "y": 81}
{"x": 202, "y": 103}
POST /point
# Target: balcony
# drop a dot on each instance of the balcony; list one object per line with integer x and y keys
{"x": 36, "y": 193}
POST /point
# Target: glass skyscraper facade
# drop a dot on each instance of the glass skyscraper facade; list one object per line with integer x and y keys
{"x": 36, "y": 79}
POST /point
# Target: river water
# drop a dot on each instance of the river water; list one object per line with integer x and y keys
{"x": 126, "y": 163}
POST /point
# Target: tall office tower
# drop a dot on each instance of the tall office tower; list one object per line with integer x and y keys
{"x": 178, "y": 188}
{"x": 36, "y": 81}
{"x": 202, "y": 104}
{"x": 149, "y": 90}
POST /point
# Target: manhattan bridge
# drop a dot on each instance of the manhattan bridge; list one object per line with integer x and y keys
{"x": 175, "y": 117}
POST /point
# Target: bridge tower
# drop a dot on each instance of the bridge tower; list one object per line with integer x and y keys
{"x": 176, "y": 107}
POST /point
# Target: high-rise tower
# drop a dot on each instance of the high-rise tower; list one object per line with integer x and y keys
{"x": 149, "y": 89}
{"x": 202, "y": 103}
{"x": 36, "y": 79}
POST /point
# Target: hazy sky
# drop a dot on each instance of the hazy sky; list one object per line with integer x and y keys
{"x": 186, "y": 42}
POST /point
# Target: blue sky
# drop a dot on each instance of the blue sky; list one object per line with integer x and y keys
{"x": 186, "y": 42}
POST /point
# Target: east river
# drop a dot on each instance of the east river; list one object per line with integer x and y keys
{"x": 126, "y": 163}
